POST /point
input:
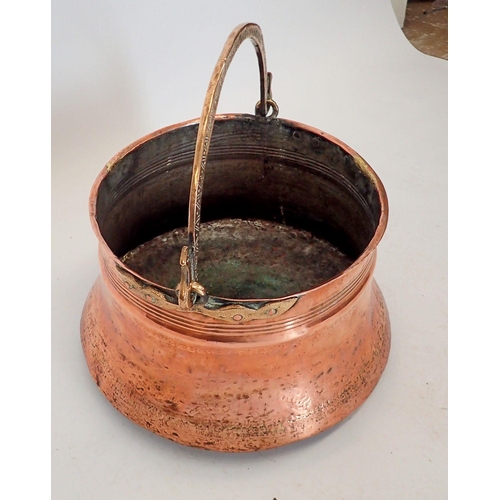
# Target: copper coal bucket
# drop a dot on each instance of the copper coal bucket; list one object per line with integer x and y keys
{"x": 260, "y": 323}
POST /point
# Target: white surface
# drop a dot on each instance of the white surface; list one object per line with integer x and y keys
{"x": 399, "y": 7}
{"x": 122, "y": 69}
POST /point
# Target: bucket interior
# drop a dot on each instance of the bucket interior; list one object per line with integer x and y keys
{"x": 283, "y": 209}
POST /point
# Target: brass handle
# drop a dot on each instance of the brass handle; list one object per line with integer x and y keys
{"x": 189, "y": 288}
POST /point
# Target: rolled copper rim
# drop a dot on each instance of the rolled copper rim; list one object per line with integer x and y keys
{"x": 189, "y": 286}
{"x": 323, "y": 288}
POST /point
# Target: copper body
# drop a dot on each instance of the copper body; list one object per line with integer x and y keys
{"x": 233, "y": 375}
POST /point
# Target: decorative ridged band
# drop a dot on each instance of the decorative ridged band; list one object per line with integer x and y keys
{"x": 153, "y": 303}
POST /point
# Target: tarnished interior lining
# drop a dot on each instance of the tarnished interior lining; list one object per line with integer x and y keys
{"x": 256, "y": 170}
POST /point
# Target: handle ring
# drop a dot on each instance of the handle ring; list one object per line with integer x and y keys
{"x": 270, "y": 104}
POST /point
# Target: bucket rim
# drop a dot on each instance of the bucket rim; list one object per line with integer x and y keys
{"x": 360, "y": 163}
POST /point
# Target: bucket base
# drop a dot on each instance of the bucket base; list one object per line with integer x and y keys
{"x": 186, "y": 389}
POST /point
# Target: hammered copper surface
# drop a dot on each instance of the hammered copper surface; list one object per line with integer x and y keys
{"x": 247, "y": 388}
{"x": 247, "y": 372}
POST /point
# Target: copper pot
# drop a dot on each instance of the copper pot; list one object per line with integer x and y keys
{"x": 282, "y": 331}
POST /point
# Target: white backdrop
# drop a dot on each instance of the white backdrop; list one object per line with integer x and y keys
{"x": 122, "y": 69}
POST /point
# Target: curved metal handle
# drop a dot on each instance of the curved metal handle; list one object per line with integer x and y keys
{"x": 188, "y": 285}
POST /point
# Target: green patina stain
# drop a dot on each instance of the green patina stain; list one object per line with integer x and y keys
{"x": 241, "y": 259}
